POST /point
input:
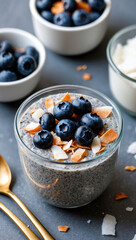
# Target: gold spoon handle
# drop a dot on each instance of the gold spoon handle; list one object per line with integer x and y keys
{"x": 34, "y": 220}
{"x": 28, "y": 233}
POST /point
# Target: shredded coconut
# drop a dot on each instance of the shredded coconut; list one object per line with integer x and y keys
{"x": 134, "y": 237}
{"x": 129, "y": 209}
{"x": 108, "y": 225}
{"x": 132, "y": 148}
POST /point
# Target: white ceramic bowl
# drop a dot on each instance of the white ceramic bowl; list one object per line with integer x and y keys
{"x": 70, "y": 40}
{"x": 11, "y": 91}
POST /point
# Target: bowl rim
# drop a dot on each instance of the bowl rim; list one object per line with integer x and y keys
{"x": 52, "y": 26}
{"x": 66, "y": 86}
{"x": 108, "y": 51}
{"x": 41, "y": 52}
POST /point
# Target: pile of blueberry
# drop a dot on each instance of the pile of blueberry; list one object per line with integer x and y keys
{"x": 16, "y": 63}
{"x": 83, "y": 128}
{"x": 73, "y": 13}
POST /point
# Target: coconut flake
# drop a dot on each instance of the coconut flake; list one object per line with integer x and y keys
{"x": 108, "y": 225}
{"x": 32, "y": 127}
{"x": 132, "y": 148}
{"x": 129, "y": 209}
{"x": 37, "y": 114}
{"x": 89, "y": 221}
{"x": 50, "y": 109}
{"x": 103, "y": 111}
{"x": 96, "y": 145}
{"x": 67, "y": 146}
{"x": 58, "y": 153}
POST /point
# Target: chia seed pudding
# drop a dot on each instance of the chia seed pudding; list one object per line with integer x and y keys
{"x": 66, "y": 183}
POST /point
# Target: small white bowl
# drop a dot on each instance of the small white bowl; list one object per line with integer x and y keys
{"x": 11, "y": 91}
{"x": 70, "y": 40}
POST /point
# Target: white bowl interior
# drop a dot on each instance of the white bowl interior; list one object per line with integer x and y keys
{"x": 14, "y": 90}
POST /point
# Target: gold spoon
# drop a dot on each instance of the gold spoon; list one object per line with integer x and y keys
{"x": 5, "y": 180}
{"x": 28, "y": 233}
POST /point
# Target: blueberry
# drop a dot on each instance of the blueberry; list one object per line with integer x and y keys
{"x": 47, "y": 121}
{"x": 32, "y": 52}
{"x": 5, "y": 46}
{"x": 63, "y": 19}
{"x": 84, "y": 136}
{"x": 7, "y": 76}
{"x": 47, "y": 15}
{"x": 81, "y": 106}
{"x": 44, "y": 4}
{"x": 97, "y": 5}
{"x": 94, "y": 15}
{"x": 80, "y": 17}
{"x": 18, "y": 54}
{"x": 26, "y": 65}
{"x": 93, "y": 121}
{"x": 65, "y": 129}
{"x": 69, "y": 5}
{"x": 63, "y": 110}
{"x": 43, "y": 139}
{"x": 7, "y": 61}
{"x": 76, "y": 121}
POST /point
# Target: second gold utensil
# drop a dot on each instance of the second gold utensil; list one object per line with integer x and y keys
{"x": 5, "y": 180}
{"x": 28, "y": 233}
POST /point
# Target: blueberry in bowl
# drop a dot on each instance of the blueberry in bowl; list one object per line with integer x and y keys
{"x": 16, "y": 82}
{"x": 69, "y": 22}
{"x": 62, "y": 19}
{"x": 26, "y": 64}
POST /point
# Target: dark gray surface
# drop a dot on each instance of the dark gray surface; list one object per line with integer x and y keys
{"x": 61, "y": 70}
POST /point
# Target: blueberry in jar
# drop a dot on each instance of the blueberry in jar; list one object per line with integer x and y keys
{"x": 76, "y": 121}
{"x": 31, "y": 51}
{"x": 43, "y": 139}
{"x": 65, "y": 129}
{"x": 84, "y": 136}
{"x": 7, "y": 61}
{"x": 63, "y": 19}
{"x": 93, "y": 121}
{"x": 47, "y": 15}
{"x": 26, "y": 65}
{"x": 63, "y": 110}
{"x": 7, "y": 76}
{"x": 97, "y": 5}
{"x": 80, "y": 17}
{"x": 44, "y": 4}
{"x": 93, "y": 16}
{"x": 47, "y": 121}
{"x": 69, "y": 5}
{"x": 81, "y": 106}
{"x": 5, "y": 46}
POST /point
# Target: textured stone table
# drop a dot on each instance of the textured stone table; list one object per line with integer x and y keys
{"x": 61, "y": 70}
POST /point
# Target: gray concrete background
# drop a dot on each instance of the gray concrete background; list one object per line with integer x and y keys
{"x": 60, "y": 70}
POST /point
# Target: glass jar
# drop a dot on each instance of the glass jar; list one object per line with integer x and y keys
{"x": 68, "y": 185}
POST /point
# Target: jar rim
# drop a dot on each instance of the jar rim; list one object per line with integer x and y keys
{"x": 49, "y": 89}
{"x": 108, "y": 51}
